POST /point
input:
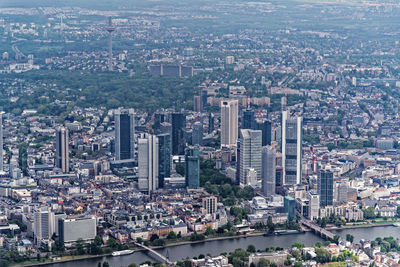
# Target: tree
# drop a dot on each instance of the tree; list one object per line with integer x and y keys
{"x": 112, "y": 243}
{"x": 298, "y": 245}
{"x": 349, "y": 238}
{"x": 297, "y": 264}
{"x": 79, "y": 246}
{"x": 171, "y": 235}
{"x": 263, "y": 263}
{"x": 336, "y": 239}
{"x": 132, "y": 265}
{"x": 153, "y": 237}
{"x": 209, "y": 231}
{"x": 38, "y": 257}
{"x": 106, "y": 264}
{"x": 369, "y": 213}
{"x": 251, "y": 249}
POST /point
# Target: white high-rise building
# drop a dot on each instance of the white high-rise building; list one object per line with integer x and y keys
{"x": 313, "y": 213}
{"x": 268, "y": 171}
{"x": 62, "y": 149}
{"x": 250, "y": 155}
{"x": 229, "y": 122}
{"x": 148, "y": 163}
{"x": 44, "y": 225}
{"x": 291, "y": 144}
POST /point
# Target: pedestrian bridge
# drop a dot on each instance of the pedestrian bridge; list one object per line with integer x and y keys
{"x": 160, "y": 256}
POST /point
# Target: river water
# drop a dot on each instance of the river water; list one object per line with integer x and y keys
{"x": 216, "y": 247}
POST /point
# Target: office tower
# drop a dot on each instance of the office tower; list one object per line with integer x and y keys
{"x": 124, "y": 134}
{"x": 341, "y": 192}
{"x": 266, "y": 128}
{"x": 250, "y": 154}
{"x": 313, "y": 199}
{"x": 43, "y": 225}
{"x": 204, "y": 97}
{"x": 238, "y": 153}
{"x": 110, "y": 28}
{"x": 1, "y": 142}
{"x": 148, "y": 163}
{"x": 178, "y": 125}
{"x": 197, "y": 133}
{"x": 291, "y": 149}
{"x": 229, "y": 123}
{"x": 158, "y": 119}
{"x": 164, "y": 158}
{"x": 325, "y": 187}
{"x": 248, "y": 119}
{"x": 289, "y": 205}
{"x": 192, "y": 167}
{"x": 210, "y": 123}
{"x": 210, "y": 204}
{"x": 268, "y": 170}
{"x": 62, "y": 149}
{"x": 197, "y": 103}
{"x": 71, "y": 230}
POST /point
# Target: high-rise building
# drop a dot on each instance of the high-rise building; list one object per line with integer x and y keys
{"x": 291, "y": 149}
{"x": 1, "y": 142}
{"x": 289, "y": 204}
{"x": 178, "y": 125}
{"x": 43, "y": 225}
{"x": 248, "y": 119}
{"x": 210, "y": 123}
{"x": 266, "y": 128}
{"x": 192, "y": 167}
{"x": 204, "y": 97}
{"x": 314, "y": 206}
{"x": 229, "y": 122}
{"x": 197, "y": 133}
{"x": 250, "y": 154}
{"x": 71, "y": 230}
{"x": 164, "y": 158}
{"x": 268, "y": 170}
{"x": 148, "y": 163}
{"x": 238, "y": 153}
{"x": 158, "y": 119}
{"x": 325, "y": 187}
{"x": 124, "y": 134}
{"x": 62, "y": 149}
{"x": 210, "y": 204}
{"x": 341, "y": 192}
{"x": 197, "y": 103}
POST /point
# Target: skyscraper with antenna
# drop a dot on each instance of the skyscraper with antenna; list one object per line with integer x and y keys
{"x": 110, "y": 28}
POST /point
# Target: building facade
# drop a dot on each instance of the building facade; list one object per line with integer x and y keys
{"x": 229, "y": 122}
{"x": 124, "y": 134}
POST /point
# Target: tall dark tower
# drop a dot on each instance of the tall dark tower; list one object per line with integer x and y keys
{"x": 110, "y": 28}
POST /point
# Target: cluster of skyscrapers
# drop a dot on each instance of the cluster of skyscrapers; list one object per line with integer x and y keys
{"x": 256, "y": 155}
{"x": 154, "y": 151}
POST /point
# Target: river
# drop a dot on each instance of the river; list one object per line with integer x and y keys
{"x": 218, "y": 246}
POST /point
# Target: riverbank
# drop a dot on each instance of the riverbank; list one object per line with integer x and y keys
{"x": 66, "y": 259}
{"x": 359, "y": 226}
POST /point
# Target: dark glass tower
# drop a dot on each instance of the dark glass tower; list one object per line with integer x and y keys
{"x": 325, "y": 187}
{"x": 248, "y": 119}
{"x": 164, "y": 160}
{"x": 266, "y": 128}
{"x": 124, "y": 134}
{"x": 178, "y": 142}
{"x": 192, "y": 167}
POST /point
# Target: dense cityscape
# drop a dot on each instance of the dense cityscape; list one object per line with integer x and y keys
{"x": 199, "y": 133}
